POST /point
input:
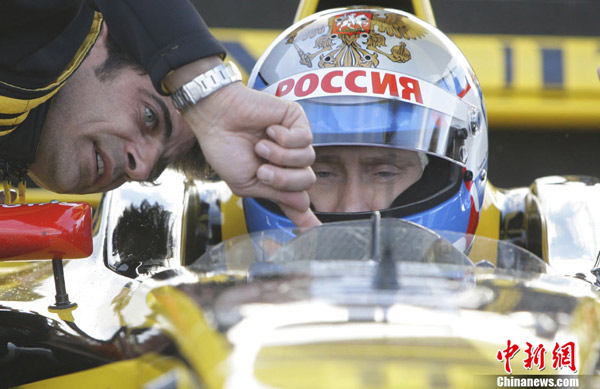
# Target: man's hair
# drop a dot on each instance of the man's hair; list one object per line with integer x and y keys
{"x": 116, "y": 61}
{"x": 192, "y": 164}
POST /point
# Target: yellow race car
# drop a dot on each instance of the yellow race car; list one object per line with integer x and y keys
{"x": 164, "y": 287}
{"x": 360, "y": 304}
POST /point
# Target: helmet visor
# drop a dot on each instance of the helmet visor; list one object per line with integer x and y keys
{"x": 349, "y": 120}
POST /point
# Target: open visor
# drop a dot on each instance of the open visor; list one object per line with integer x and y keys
{"x": 371, "y": 107}
{"x": 385, "y": 122}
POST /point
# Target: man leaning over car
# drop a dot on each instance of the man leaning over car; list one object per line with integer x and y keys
{"x": 84, "y": 103}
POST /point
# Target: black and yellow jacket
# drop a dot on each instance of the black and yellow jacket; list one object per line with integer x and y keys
{"x": 43, "y": 42}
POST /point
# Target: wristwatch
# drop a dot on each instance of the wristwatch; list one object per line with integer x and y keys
{"x": 205, "y": 84}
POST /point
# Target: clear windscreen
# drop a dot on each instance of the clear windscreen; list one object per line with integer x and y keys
{"x": 285, "y": 252}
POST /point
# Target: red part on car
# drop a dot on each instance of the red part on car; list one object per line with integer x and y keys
{"x": 45, "y": 231}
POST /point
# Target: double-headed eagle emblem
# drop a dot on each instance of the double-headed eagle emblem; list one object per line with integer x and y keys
{"x": 356, "y": 39}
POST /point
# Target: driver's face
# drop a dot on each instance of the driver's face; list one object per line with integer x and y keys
{"x": 361, "y": 178}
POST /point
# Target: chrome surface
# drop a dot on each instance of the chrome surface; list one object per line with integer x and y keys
{"x": 569, "y": 212}
{"x": 331, "y": 300}
{"x": 143, "y": 225}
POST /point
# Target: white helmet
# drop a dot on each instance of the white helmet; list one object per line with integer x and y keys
{"x": 382, "y": 77}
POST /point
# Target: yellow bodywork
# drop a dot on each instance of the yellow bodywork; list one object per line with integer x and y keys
{"x": 233, "y": 222}
{"x": 134, "y": 373}
{"x": 489, "y": 220}
{"x": 181, "y": 319}
{"x": 510, "y": 69}
{"x": 38, "y": 195}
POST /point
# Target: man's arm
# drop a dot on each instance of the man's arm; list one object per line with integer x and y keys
{"x": 259, "y": 144}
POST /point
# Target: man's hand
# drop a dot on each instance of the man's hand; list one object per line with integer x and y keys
{"x": 259, "y": 145}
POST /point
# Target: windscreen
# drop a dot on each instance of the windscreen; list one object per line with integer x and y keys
{"x": 293, "y": 251}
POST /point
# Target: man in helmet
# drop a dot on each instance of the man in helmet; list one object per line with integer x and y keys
{"x": 397, "y": 116}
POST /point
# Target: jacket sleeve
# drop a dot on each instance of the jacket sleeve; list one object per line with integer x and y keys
{"x": 162, "y": 35}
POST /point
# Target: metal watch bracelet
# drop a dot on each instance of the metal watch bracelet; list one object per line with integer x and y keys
{"x": 205, "y": 84}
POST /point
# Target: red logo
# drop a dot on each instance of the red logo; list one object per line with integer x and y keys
{"x": 562, "y": 356}
{"x": 507, "y": 354}
{"x": 352, "y": 23}
{"x": 351, "y": 81}
{"x": 535, "y": 357}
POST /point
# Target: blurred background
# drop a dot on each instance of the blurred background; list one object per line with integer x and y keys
{"x": 536, "y": 61}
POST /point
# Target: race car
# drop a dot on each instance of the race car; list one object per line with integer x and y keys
{"x": 373, "y": 303}
{"x": 170, "y": 291}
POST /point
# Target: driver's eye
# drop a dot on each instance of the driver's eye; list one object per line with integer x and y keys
{"x": 385, "y": 174}
{"x": 323, "y": 174}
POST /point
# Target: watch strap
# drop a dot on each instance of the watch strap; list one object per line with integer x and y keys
{"x": 204, "y": 85}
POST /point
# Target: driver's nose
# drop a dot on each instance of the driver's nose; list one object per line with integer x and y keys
{"x": 353, "y": 197}
{"x": 140, "y": 161}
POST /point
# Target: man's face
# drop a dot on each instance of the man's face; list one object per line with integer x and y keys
{"x": 101, "y": 133}
{"x": 361, "y": 178}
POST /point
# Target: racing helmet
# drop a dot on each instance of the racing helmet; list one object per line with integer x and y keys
{"x": 378, "y": 77}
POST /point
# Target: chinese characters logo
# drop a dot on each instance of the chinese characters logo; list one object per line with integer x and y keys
{"x": 563, "y": 356}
